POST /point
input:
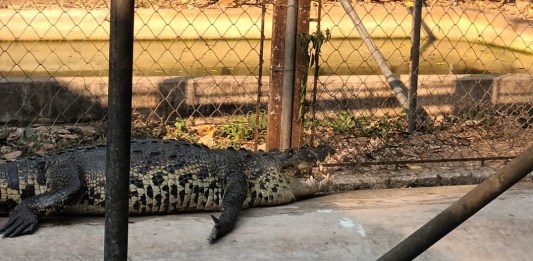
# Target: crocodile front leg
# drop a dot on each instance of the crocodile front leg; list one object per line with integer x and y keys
{"x": 234, "y": 196}
{"x": 64, "y": 184}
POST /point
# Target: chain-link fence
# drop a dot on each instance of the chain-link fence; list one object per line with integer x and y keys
{"x": 476, "y": 66}
{"x": 201, "y": 73}
{"x": 196, "y": 72}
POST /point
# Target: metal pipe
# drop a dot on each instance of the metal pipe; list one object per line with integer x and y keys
{"x": 260, "y": 75}
{"x": 315, "y": 78}
{"x": 276, "y": 75}
{"x": 118, "y": 130}
{"x": 301, "y": 69}
{"x": 462, "y": 209}
{"x": 403, "y": 162}
{"x": 414, "y": 66}
{"x": 288, "y": 74}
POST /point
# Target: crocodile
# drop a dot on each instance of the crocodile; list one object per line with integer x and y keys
{"x": 166, "y": 176}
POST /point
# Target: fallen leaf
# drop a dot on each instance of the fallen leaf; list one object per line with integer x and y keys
{"x": 12, "y": 155}
{"x": 206, "y": 130}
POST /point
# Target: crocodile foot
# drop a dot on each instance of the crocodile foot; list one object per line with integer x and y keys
{"x": 219, "y": 230}
{"x": 21, "y": 221}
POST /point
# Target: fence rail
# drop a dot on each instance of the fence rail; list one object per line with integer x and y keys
{"x": 197, "y": 67}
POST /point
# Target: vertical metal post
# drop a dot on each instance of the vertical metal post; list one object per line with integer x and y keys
{"x": 301, "y": 69}
{"x": 260, "y": 75}
{"x": 462, "y": 209}
{"x": 288, "y": 75}
{"x": 276, "y": 74}
{"x": 414, "y": 66}
{"x": 315, "y": 78}
{"x": 119, "y": 130}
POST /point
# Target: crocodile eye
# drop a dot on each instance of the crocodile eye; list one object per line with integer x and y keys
{"x": 309, "y": 156}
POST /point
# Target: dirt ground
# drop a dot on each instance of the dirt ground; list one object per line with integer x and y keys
{"x": 501, "y": 138}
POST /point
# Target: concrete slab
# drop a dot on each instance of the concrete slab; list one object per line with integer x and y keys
{"x": 93, "y": 24}
{"x": 359, "y": 225}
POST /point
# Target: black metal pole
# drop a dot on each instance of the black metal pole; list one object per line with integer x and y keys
{"x": 462, "y": 209}
{"x": 119, "y": 130}
{"x": 315, "y": 78}
{"x": 260, "y": 75}
{"x": 414, "y": 65}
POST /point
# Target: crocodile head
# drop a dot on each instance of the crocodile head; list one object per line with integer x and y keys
{"x": 304, "y": 159}
{"x": 297, "y": 163}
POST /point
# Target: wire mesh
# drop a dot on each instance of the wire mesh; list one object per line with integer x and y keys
{"x": 196, "y": 74}
{"x": 475, "y": 81}
{"x": 196, "y": 66}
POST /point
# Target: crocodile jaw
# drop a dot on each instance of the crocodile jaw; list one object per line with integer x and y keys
{"x": 302, "y": 187}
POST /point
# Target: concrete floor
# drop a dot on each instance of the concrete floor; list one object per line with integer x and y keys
{"x": 360, "y": 225}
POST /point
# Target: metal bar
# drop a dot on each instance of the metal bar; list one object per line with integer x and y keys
{"x": 462, "y": 209}
{"x": 429, "y": 34}
{"x": 398, "y": 162}
{"x": 260, "y": 75}
{"x": 300, "y": 75}
{"x": 315, "y": 78}
{"x": 118, "y": 130}
{"x": 288, "y": 74}
{"x": 414, "y": 66}
{"x": 276, "y": 74}
{"x": 397, "y": 86}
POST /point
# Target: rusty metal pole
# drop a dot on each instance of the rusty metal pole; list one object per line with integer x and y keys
{"x": 300, "y": 75}
{"x": 276, "y": 74}
{"x": 287, "y": 96}
{"x": 462, "y": 209}
{"x": 119, "y": 130}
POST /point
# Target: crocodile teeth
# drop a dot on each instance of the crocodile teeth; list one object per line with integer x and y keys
{"x": 311, "y": 181}
{"x": 324, "y": 181}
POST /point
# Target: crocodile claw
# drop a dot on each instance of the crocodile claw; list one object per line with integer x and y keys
{"x": 216, "y": 232}
{"x": 21, "y": 221}
{"x": 220, "y": 229}
{"x": 324, "y": 182}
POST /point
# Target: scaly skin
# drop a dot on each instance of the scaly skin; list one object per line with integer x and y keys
{"x": 165, "y": 177}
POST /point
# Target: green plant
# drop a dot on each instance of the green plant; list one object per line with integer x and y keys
{"x": 381, "y": 127}
{"x": 242, "y": 128}
{"x": 180, "y": 131}
{"x": 237, "y": 130}
{"x": 344, "y": 122}
{"x": 363, "y": 125}
{"x": 180, "y": 126}
{"x": 310, "y": 47}
{"x": 262, "y": 120}
{"x": 347, "y": 122}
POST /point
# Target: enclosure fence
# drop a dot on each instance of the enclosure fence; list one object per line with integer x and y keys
{"x": 202, "y": 73}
